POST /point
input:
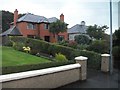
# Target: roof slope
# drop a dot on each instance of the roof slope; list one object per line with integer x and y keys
{"x": 33, "y": 18}
{"x": 77, "y": 29}
{"x": 53, "y": 19}
{"x": 14, "y": 31}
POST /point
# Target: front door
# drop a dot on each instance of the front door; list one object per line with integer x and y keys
{"x": 47, "y": 38}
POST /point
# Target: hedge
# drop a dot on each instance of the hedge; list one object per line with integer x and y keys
{"x": 94, "y": 59}
{"x": 40, "y": 46}
{"x": 116, "y": 56}
{"x": 22, "y": 68}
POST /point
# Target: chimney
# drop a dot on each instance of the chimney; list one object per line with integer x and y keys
{"x": 83, "y": 23}
{"x": 62, "y": 17}
{"x": 15, "y": 16}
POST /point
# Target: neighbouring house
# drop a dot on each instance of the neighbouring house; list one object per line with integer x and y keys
{"x": 33, "y": 26}
{"x": 77, "y": 29}
{"x": 13, "y": 31}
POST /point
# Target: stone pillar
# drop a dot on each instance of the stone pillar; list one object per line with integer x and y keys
{"x": 105, "y": 62}
{"x": 83, "y": 70}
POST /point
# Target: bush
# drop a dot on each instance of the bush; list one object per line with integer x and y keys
{"x": 72, "y": 44}
{"x": 64, "y": 43}
{"x": 94, "y": 59}
{"x": 18, "y": 46}
{"x": 99, "y": 46}
{"x": 116, "y": 56}
{"x": 60, "y": 57}
{"x": 116, "y": 51}
{"x": 39, "y": 46}
{"x": 82, "y": 39}
{"x": 18, "y": 39}
{"x": 82, "y": 47}
{"x": 23, "y": 68}
{"x": 9, "y": 43}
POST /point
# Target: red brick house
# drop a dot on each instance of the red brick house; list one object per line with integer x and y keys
{"x": 31, "y": 25}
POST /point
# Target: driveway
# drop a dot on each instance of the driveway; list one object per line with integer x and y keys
{"x": 96, "y": 79}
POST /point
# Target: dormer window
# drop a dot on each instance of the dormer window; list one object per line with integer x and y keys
{"x": 31, "y": 26}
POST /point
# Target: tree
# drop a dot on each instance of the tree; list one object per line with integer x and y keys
{"x": 116, "y": 48}
{"x": 82, "y": 39}
{"x": 116, "y": 37}
{"x": 96, "y": 31}
{"x": 7, "y": 18}
{"x": 57, "y": 27}
{"x": 99, "y": 46}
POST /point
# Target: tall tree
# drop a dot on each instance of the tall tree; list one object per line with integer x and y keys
{"x": 7, "y": 18}
{"x": 82, "y": 39}
{"x": 116, "y": 37}
{"x": 57, "y": 27}
{"x": 96, "y": 31}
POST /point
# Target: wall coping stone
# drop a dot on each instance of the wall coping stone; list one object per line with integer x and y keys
{"x": 81, "y": 58}
{"x": 21, "y": 75}
{"x": 105, "y": 55}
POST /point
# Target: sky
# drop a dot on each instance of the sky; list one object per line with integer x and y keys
{"x": 75, "y": 11}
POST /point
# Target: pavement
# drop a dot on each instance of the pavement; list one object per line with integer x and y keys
{"x": 97, "y": 79}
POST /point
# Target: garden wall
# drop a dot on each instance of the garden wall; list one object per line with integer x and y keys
{"x": 44, "y": 78}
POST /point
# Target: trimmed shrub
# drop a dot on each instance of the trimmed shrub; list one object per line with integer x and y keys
{"x": 99, "y": 46}
{"x": 82, "y": 47}
{"x": 18, "y": 39}
{"x": 116, "y": 56}
{"x": 39, "y": 46}
{"x": 18, "y": 46}
{"x": 116, "y": 51}
{"x": 9, "y": 43}
{"x": 23, "y": 68}
{"x": 34, "y": 45}
{"x": 60, "y": 57}
{"x": 64, "y": 43}
{"x": 72, "y": 44}
{"x": 94, "y": 59}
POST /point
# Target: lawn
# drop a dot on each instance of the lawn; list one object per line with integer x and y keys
{"x": 11, "y": 57}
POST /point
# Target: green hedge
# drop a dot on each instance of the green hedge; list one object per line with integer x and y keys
{"x": 116, "y": 56}
{"x": 94, "y": 59}
{"x": 16, "y": 69}
{"x": 38, "y": 46}
{"x": 99, "y": 46}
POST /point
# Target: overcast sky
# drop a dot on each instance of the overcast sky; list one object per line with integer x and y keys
{"x": 75, "y": 11}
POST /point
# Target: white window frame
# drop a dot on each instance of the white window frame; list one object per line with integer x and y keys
{"x": 46, "y": 26}
{"x": 31, "y": 26}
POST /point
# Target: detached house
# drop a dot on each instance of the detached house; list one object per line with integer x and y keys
{"x": 78, "y": 29}
{"x": 31, "y": 25}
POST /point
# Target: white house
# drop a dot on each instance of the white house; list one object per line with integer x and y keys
{"x": 77, "y": 29}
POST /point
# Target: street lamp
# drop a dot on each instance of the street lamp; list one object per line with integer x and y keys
{"x": 111, "y": 58}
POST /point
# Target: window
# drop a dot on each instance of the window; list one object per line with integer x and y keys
{"x": 46, "y": 26}
{"x": 60, "y": 38}
{"x": 47, "y": 38}
{"x": 31, "y": 26}
{"x": 71, "y": 36}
